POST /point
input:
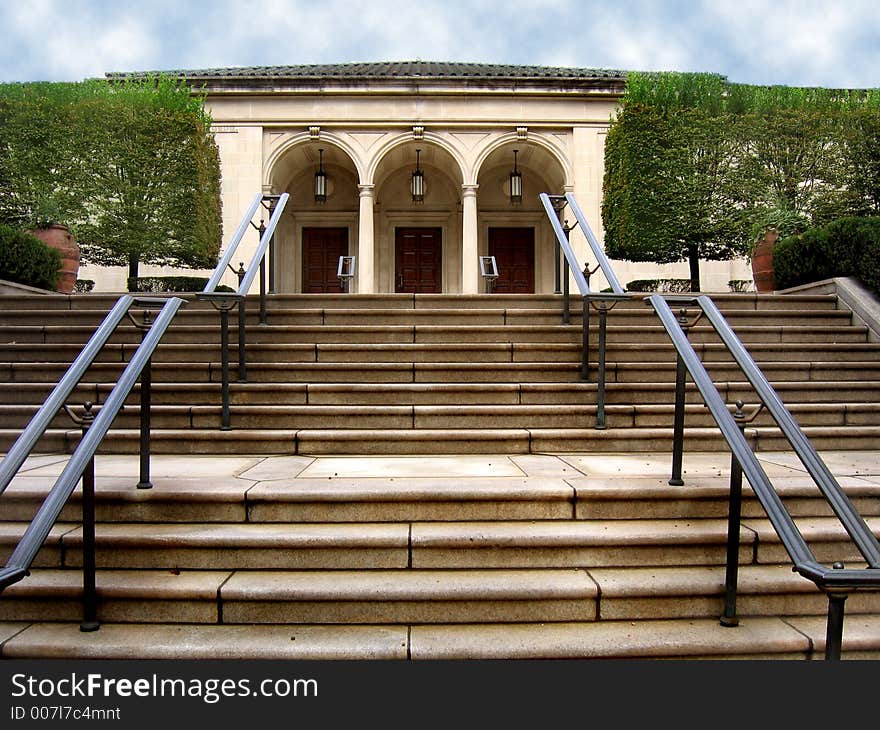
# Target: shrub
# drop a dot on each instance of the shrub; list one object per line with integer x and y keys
{"x": 81, "y": 286}
{"x": 675, "y": 286}
{"x": 171, "y": 284}
{"x": 25, "y": 259}
{"x": 845, "y": 247}
{"x": 739, "y": 285}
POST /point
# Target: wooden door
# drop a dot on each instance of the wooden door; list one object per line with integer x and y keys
{"x": 514, "y": 252}
{"x": 321, "y": 249}
{"x": 419, "y": 260}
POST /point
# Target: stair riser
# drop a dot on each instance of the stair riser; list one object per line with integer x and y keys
{"x": 403, "y": 612}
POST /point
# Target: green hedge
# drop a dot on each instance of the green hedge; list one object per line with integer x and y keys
{"x": 25, "y": 259}
{"x": 845, "y": 247}
{"x": 676, "y": 286}
{"x": 171, "y": 284}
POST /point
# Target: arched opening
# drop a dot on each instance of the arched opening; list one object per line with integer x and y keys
{"x": 418, "y": 242}
{"x": 314, "y": 233}
{"x": 517, "y": 233}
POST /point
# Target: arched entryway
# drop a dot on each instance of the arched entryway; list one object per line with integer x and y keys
{"x": 314, "y": 232}
{"x": 516, "y": 231}
{"x": 418, "y": 238}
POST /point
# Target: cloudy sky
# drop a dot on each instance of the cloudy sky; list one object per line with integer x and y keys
{"x": 795, "y": 42}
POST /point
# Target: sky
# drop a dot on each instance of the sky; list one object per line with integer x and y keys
{"x": 831, "y": 43}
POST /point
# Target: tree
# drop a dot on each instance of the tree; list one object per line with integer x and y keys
{"x": 698, "y": 168}
{"x": 671, "y": 181}
{"x": 131, "y": 166}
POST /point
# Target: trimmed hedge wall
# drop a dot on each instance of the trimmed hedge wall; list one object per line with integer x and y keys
{"x": 171, "y": 284}
{"x": 845, "y": 247}
{"x": 25, "y": 259}
{"x": 659, "y": 285}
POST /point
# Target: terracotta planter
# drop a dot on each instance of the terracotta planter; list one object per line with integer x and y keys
{"x": 762, "y": 263}
{"x": 59, "y": 237}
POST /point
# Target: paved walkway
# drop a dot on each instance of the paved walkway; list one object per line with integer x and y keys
{"x": 855, "y": 467}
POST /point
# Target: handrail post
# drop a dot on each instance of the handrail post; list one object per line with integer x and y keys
{"x": 224, "y": 367}
{"x": 273, "y": 202}
{"x": 146, "y": 405}
{"x": 734, "y": 518}
{"x": 566, "y": 313}
{"x": 242, "y": 321}
{"x": 675, "y": 479}
{"x": 558, "y": 206}
{"x": 90, "y": 593}
{"x": 834, "y": 625}
{"x": 585, "y": 340}
{"x": 263, "y": 291}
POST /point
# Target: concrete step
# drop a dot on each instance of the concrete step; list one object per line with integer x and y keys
{"x": 620, "y": 543}
{"x": 238, "y": 500}
{"x": 223, "y": 546}
{"x": 392, "y": 394}
{"x": 683, "y": 639}
{"x": 446, "y": 545}
{"x": 309, "y": 597}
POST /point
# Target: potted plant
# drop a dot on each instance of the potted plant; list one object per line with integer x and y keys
{"x": 45, "y": 226}
{"x": 769, "y": 226}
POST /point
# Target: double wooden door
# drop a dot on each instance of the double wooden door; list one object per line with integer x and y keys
{"x": 418, "y": 260}
{"x": 321, "y": 249}
{"x": 514, "y": 252}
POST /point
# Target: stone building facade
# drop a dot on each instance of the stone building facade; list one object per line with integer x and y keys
{"x": 369, "y": 127}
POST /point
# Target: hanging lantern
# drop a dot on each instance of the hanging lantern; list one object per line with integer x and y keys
{"x": 321, "y": 180}
{"x": 516, "y": 183}
{"x": 417, "y": 185}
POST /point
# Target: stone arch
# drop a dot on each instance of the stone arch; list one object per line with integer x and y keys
{"x": 272, "y": 167}
{"x": 408, "y": 140}
{"x": 536, "y": 140}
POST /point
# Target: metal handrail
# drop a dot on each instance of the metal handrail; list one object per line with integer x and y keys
{"x": 581, "y": 278}
{"x": 595, "y": 246}
{"x": 836, "y": 580}
{"x": 226, "y": 259}
{"x": 19, "y": 562}
{"x": 26, "y": 441}
{"x": 224, "y": 301}
{"x": 564, "y": 244}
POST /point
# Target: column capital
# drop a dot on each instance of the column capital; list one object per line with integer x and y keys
{"x": 366, "y": 191}
{"x": 469, "y": 190}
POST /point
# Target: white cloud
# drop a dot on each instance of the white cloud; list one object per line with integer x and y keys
{"x": 802, "y": 42}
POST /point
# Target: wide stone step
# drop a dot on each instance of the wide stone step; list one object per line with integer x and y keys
{"x": 497, "y": 544}
{"x": 755, "y": 638}
{"x": 698, "y": 592}
{"x": 309, "y": 597}
{"x": 214, "y": 546}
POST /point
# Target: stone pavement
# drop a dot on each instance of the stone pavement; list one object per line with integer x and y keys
{"x": 176, "y": 471}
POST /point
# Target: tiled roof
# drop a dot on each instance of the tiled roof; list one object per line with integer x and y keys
{"x": 401, "y": 69}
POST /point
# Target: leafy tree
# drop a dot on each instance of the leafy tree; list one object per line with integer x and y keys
{"x": 698, "y": 169}
{"x": 130, "y": 166}
{"x": 671, "y": 180}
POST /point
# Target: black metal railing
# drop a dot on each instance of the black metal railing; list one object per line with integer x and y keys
{"x": 602, "y": 302}
{"x": 836, "y": 580}
{"x": 94, "y": 429}
{"x": 223, "y": 302}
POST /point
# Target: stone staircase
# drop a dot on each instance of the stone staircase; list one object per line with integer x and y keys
{"x": 421, "y": 478}
{"x": 532, "y": 556}
{"x": 441, "y": 374}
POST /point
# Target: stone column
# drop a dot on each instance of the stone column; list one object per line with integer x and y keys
{"x": 470, "y": 265}
{"x": 366, "y": 279}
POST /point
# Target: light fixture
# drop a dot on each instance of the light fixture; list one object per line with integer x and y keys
{"x": 417, "y": 185}
{"x": 321, "y": 180}
{"x": 516, "y": 189}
